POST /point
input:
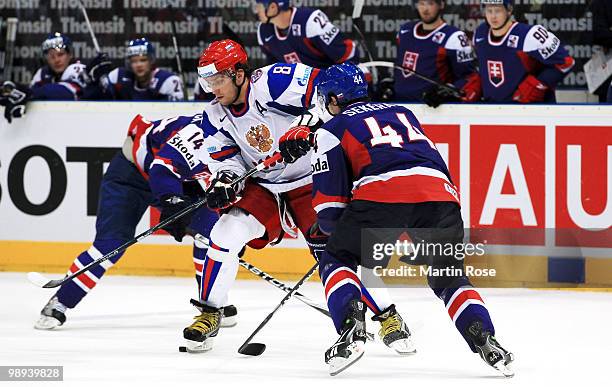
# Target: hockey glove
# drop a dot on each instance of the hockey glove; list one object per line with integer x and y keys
{"x": 472, "y": 90}
{"x": 14, "y": 99}
{"x": 170, "y": 206}
{"x": 316, "y": 241}
{"x": 386, "y": 89}
{"x": 530, "y": 90}
{"x": 295, "y": 143}
{"x": 98, "y": 67}
{"x": 438, "y": 95}
{"x": 221, "y": 193}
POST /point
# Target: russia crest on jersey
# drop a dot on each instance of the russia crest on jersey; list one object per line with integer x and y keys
{"x": 496, "y": 72}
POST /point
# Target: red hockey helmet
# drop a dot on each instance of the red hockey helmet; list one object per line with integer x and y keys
{"x": 223, "y": 57}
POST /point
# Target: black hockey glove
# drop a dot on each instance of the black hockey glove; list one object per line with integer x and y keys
{"x": 386, "y": 89}
{"x": 221, "y": 193}
{"x": 295, "y": 143}
{"x": 438, "y": 95}
{"x": 14, "y": 98}
{"x": 99, "y": 66}
{"x": 170, "y": 206}
{"x": 316, "y": 241}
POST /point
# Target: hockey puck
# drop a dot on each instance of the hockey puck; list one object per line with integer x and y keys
{"x": 182, "y": 349}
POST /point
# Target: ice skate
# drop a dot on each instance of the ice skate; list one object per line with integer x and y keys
{"x": 52, "y": 315}
{"x": 200, "y": 334}
{"x": 229, "y": 316}
{"x": 350, "y": 345}
{"x": 394, "y": 332}
{"x": 489, "y": 349}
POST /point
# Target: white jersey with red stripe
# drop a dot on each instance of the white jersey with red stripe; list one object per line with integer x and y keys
{"x": 238, "y": 138}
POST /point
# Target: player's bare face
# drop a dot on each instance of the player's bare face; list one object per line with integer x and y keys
{"x": 497, "y": 16}
{"x": 429, "y": 10}
{"x": 222, "y": 87}
{"x": 58, "y": 60}
{"x": 141, "y": 66}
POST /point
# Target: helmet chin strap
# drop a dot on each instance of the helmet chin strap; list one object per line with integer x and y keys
{"x": 268, "y": 17}
{"x": 238, "y": 88}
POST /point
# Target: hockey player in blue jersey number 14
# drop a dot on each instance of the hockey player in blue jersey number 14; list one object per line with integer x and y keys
{"x": 140, "y": 79}
{"x": 300, "y": 35}
{"x": 160, "y": 164}
{"x": 441, "y": 52}
{"x": 518, "y": 62}
{"x": 383, "y": 172}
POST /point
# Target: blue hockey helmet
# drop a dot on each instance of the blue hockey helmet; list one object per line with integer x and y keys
{"x": 282, "y": 4}
{"x": 140, "y": 47}
{"x": 57, "y": 41}
{"x": 505, "y": 3}
{"x": 345, "y": 81}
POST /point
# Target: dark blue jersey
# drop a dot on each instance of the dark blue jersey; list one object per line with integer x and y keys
{"x": 163, "y": 86}
{"x": 311, "y": 39}
{"x": 376, "y": 152}
{"x": 524, "y": 50}
{"x": 444, "y": 54}
{"x": 69, "y": 85}
{"x": 169, "y": 152}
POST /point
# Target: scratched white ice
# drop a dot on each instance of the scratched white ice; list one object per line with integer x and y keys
{"x": 128, "y": 330}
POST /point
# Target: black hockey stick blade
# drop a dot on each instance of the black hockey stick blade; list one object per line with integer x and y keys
{"x": 252, "y": 349}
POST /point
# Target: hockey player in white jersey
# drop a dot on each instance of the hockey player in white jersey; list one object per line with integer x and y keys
{"x": 245, "y": 124}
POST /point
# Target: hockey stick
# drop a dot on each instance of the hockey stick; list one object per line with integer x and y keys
{"x": 453, "y": 90}
{"x": 91, "y": 32}
{"x": 177, "y": 55}
{"x": 256, "y": 349}
{"x": 40, "y": 280}
{"x": 268, "y": 278}
{"x": 357, "y": 10}
{"x": 9, "y": 50}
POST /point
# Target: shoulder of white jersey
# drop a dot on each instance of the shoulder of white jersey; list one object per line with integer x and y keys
{"x": 325, "y": 140}
{"x": 171, "y": 85}
{"x": 275, "y": 80}
{"x": 538, "y": 38}
{"x": 212, "y": 118}
{"x": 318, "y": 24}
{"x": 74, "y": 72}
{"x": 113, "y": 76}
{"x": 37, "y": 77}
{"x": 457, "y": 40}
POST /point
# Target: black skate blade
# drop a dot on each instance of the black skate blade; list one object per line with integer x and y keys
{"x": 252, "y": 349}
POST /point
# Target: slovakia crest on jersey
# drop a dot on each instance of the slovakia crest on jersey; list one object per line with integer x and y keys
{"x": 292, "y": 57}
{"x": 496, "y": 72}
{"x": 259, "y": 138}
{"x": 410, "y": 62}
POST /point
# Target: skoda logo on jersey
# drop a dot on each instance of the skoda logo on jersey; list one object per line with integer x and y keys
{"x": 177, "y": 143}
{"x": 259, "y": 138}
{"x": 496, "y": 72}
{"x": 320, "y": 165}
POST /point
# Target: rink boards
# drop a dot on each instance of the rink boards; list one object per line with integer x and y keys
{"x": 546, "y": 170}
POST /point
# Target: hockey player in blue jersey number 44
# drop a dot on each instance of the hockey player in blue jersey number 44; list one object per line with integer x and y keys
{"x": 383, "y": 172}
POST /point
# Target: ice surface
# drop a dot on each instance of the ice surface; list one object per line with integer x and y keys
{"x": 128, "y": 330}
